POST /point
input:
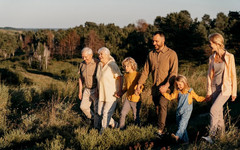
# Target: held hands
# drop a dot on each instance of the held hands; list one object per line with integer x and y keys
{"x": 118, "y": 94}
{"x": 138, "y": 90}
{"x": 164, "y": 88}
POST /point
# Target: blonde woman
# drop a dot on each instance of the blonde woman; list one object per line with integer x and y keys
{"x": 184, "y": 94}
{"x": 221, "y": 83}
{"x": 109, "y": 80}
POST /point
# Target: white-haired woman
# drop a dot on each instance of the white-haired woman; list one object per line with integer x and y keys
{"x": 109, "y": 79}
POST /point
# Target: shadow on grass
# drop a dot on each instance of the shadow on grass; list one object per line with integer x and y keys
{"x": 48, "y": 133}
{"x": 57, "y": 77}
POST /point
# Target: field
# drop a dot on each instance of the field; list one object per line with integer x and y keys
{"x": 39, "y": 109}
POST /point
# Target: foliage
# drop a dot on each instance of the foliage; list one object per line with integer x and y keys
{"x": 39, "y": 109}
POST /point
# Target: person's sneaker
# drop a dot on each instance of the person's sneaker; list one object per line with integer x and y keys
{"x": 115, "y": 124}
{"x": 159, "y": 134}
{"x": 208, "y": 139}
{"x": 101, "y": 131}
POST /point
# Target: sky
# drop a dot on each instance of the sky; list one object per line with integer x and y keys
{"x": 72, "y": 13}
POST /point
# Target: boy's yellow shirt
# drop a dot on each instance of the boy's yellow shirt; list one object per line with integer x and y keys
{"x": 130, "y": 83}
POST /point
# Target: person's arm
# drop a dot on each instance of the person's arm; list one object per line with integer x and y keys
{"x": 197, "y": 97}
{"x": 118, "y": 93}
{"x": 143, "y": 77}
{"x": 209, "y": 80}
{"x": 80, "y": 89}
{"x": 118, "y": 76}
{"x": 171, "y": 96}
{"x": 234, "y": 79}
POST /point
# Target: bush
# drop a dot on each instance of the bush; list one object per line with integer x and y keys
{"x": 56, "y": 143}
{"x": 14, "y": 136}
{"x": 4, "y": 96}
{"x": 113, "y": 138}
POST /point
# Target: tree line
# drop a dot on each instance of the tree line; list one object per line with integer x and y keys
{"x": 187, "y": 36}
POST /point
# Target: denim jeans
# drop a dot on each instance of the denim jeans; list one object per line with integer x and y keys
{"x": 182, "y": 122}
{"x": 106, "y": 110}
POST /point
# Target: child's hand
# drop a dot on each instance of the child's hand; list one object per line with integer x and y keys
{"x": 163, "y": 89}
{"x": 118, "y": 94}
{"x": 136, "y": 94}
{"x": 137, "y": 90}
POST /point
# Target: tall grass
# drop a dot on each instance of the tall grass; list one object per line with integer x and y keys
{"x": 46, "y": 113}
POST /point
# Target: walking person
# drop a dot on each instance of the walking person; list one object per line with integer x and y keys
{"x": 184, "y": 94}
{"x": 162, "y": 63}
{"x": 109, "y": 79}
{"x": 132, "y": 101}
{"x": 221, "y": 83}
{"x": 87, "y": 79}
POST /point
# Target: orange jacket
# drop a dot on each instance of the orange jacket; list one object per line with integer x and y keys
{"x": 229, "y": 86}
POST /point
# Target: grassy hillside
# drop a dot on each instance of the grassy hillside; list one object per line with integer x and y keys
{"x": 39, "y": 109}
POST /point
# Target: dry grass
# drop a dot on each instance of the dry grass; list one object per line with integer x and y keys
{"x": 46, "y": 114}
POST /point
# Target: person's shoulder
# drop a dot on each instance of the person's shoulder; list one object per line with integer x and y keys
{"x": 112, "y": 64}
{"x": 170, "y": 50}
{"x": 152, "y": 51}
{"x": 211, "y": 56}
{"x": 229, "y": 54}
{"x": 82, "y": 63}
{"x": 95, "y": 61}
{"x": 190, "y": 90}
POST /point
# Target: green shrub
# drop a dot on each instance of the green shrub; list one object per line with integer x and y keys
{"x": 14, "y": 136}
{"x": 4, "y": 97}
{"x": 113, "y": 138}
{"x": 56, "y": 143}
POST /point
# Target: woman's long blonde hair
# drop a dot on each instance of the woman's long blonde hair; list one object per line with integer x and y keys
{"x": 217, "y": 39}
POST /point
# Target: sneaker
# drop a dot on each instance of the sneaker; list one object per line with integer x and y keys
{"x": 208, "y": 139}
{"x": 115, "y": 124}
{"x": 101, "y": 131}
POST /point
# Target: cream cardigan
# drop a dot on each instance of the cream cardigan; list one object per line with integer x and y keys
{"x": 229, "y": 86}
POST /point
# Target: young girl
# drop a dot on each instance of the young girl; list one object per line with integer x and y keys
{"x": 184, "y": 94}
{"x": 132, "y": 101}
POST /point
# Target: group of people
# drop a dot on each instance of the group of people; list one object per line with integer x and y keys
{"x": 104, "y": 83}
